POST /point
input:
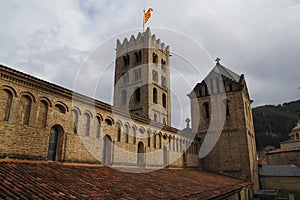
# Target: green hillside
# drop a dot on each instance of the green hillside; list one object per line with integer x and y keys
{"x": 273, "y": 123}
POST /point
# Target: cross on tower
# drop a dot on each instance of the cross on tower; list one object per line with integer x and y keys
{"x": 218, "y": 60}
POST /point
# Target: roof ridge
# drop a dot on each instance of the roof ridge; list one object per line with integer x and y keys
{"x": 232, "y": 75}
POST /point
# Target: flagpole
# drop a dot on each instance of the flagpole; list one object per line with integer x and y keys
{"x": 144, "y": 19}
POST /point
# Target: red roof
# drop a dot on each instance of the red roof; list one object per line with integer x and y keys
{"x": 43, "y": 180}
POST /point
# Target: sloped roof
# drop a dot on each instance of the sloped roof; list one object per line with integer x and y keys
{"x": 279, "y": 170}
{"x": 220, "y": 69}
{"x": 35, "y": 180}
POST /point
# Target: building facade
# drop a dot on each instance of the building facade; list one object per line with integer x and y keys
{"x": 289, "y": 152}
{"x": 43, "y": 121}
{"x": 224, "y": 121}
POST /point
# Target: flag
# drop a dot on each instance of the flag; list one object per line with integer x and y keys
{"x": 147, "y": 15}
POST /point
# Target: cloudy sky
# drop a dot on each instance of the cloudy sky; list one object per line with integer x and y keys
{"x": 259, "y": 38}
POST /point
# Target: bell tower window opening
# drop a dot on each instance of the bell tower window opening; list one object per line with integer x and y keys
{"x": 154, "y": 58}
{"x": 154, "y": 95}
{"x": 164, "y": 100}
{"x": 138, "y": 95}
{"x": 163, "y": 65}
{"x": 126, "y": 60}
{"x": 154, "y": 76}
{"x": 25, "y": 109}
{"x": 206, "y": 109}
{"x": 163, "y": 81}
{"x": 230, "y": 87}
{"x": 138, "y": 56}
{"x": 226, "y": 104}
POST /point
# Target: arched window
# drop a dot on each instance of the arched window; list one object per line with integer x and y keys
{"x": 60, "y": 108}
{"x": 206, "y": 109}
{"x": 126, "y": 133}
{"x": 7, "y": 101}
{"x": 138, "y": 56}
{"x": 149, "y": 138}
{"x": 134, "y": 135}
{"x": 43, "y": 112}
{"x": 173, "y": 141}
{"x": 25, "y": 108}
{"x": 87, "y": 119}
{"x": 159, "y": 142}
{"x": 53, "y": 143}
{"x": 141, "y": 156}
{"x": 180, "y": 145}
{"x": 164, "y": 121}
{"x": 297, "y": 136}
{"x": 230, "y": 87}
{"x": 138, "y": 94}
{"x": 155, "y": 117}
{"x": 124, "y": 97}
{"x": 154, "y": 140}
{"x": 154, "y": 76}
{"x": 163, "y": 65}
{"x": 126, "y": 60}
{"x": 164, "y": 100}
{"x": 75, "y": 120}
{"x": 107, "y": 150}
{"x": 226, "y": 105}
{"x": 163, "y": 81}
{"x": 155, "y": 58}
{"x": 119, "y": 132}
{"x": 154, "y": 95}
{"x": 98, "y": 126}
{"x": 108, "y": 122}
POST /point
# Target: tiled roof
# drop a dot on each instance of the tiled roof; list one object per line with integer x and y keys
{"x": 42, "y": 180}
{"x": 279, "y": 170}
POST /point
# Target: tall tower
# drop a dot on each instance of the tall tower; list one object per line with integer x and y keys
{"x": 222, "y": 101}
{"x": 142, "y": 77}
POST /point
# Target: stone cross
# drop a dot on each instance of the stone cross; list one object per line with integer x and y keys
{"x": 218, "y": 60}
{"x": 188, "y": 122}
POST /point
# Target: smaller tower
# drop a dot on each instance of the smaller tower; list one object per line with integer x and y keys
{"x": 142, "y": 77}
{"x": 221, "y": 104}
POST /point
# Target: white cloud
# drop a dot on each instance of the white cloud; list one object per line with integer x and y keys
{"x": 50, "y": 39}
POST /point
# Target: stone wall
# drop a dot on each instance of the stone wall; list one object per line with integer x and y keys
{"x": 82, "y": 123}
{"x": 284, "y": 157}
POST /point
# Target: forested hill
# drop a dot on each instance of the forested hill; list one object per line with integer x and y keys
{"x": 273, "y": 123}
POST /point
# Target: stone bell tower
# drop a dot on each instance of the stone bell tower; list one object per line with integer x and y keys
{"x": 220, "y": 104}
{"x": 142, "y": 77}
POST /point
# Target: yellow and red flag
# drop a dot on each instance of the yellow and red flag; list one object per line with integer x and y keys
{"x": 147, "y": 15}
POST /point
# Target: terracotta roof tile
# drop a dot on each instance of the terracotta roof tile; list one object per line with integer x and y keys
{"x": 42, "y": 180}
